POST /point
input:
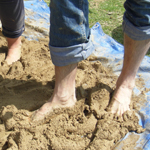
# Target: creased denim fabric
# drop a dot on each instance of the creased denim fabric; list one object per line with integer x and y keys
{"x": 12, "y": 16}
{"x": 136, "y": 20}
{"x": 69, "y": 31}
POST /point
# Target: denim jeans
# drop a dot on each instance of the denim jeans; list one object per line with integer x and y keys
{"x": 69, "y": 32}
{"x": 12, "y": 17}
{"x": 136, "y": 20}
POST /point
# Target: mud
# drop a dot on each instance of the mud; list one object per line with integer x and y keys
{"x": 28, "y": 83}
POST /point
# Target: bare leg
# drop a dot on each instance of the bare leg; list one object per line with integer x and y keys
{"x": 14, "y": 50}
{"x": 134, "y": 53}
{"x": 64, "y": 91}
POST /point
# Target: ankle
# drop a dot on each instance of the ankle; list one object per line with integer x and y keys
{"x": 126, "y": 82}
{"x": 63, "y": 98}
{"x": 125, "y": 86}
{"x": 14, "y": 42}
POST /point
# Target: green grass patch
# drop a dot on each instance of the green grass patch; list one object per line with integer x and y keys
{"x": 109, "y": 14}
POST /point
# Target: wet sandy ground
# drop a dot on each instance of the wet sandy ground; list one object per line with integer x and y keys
{"x": 28, "y": 83}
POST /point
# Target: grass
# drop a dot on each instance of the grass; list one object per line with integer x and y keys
{"x": 109, "y": 14}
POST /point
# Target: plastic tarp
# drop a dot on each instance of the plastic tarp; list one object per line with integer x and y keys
{"x": 107, "y": 50}
{"x": 37, "y": 16}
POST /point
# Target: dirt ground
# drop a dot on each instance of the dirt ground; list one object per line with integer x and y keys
{"x": 28, "y": 83}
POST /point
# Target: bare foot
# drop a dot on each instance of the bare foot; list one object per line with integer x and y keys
{"x": 133, "y": 55}
{"x": 14, "y": 50}
{"x": 121, "y": 98}
{"x": 64, "y": 92}
{"x": 120, "y": 101}
{"x": 53, "y": 103}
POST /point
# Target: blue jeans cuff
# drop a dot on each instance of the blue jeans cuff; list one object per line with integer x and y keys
{"x": 135, "y": 32}
{"x": 63, "y": 56}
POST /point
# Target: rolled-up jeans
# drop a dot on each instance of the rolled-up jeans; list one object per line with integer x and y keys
{"x": 12, "y": 17}
{"x": 69, "y": 32}
{"x": 136, "y": 20}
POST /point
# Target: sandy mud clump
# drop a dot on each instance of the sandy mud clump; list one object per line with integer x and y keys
{"x": 28, "y": 83}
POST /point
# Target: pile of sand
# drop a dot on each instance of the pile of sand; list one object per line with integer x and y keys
{"x": 27, "y": 84}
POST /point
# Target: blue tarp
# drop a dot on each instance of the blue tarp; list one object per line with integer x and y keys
{"x": 37, "y": 16}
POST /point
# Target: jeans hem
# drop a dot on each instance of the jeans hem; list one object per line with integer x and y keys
{"x": 134, "y": 32}
{"x": 63, "y": 56}
{"x": 13, "y": 34}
